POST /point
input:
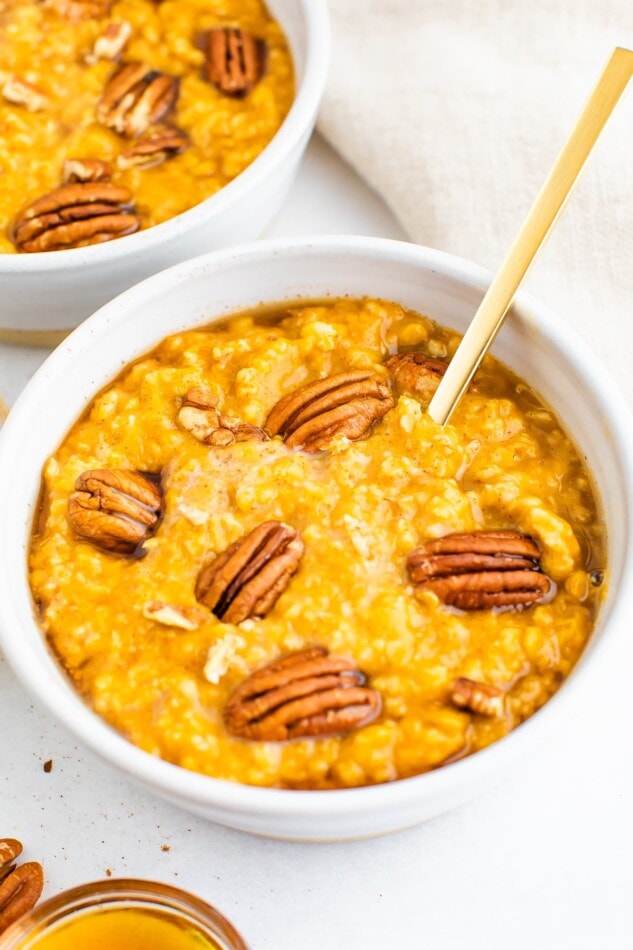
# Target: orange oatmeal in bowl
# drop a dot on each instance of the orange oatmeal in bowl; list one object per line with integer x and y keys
{"x": 120, "y": 115}
{"x": 258, "y": 558}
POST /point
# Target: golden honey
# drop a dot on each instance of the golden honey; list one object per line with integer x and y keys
{"x": 121, "y": 929}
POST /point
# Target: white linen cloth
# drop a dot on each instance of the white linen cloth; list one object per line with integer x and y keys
{"x": 454, "y": 111}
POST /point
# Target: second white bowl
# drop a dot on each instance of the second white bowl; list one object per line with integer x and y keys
{"x": 42, "y": 295}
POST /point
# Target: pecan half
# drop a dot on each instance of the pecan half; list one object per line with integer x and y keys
{"x": 345, "y": 404}
{"x": 10, "y": 849}
{"x": 304, "y": 694}
{"x": 198, "y": 414}
{"x": 112, "y": 42}
{"x": 235, "y": 60}
{"x": 79, "y": 9}
{"x": 481, "y": 698}
{"x": 246, "y": 579}
{"x": 85, "y": 169}
{"x": 75, "y": 215}
{"x": 19, "y": 92}
{"x": 154, "y": 148}
{"x": 135, "y": 97}
{"x": 480, "y": 570}
{"x": 416, "y": 373}
{"x": 114, "y": 509}
{"x": 20, "y": 892}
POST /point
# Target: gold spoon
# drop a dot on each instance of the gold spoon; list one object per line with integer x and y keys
{"x": 537, "y": 226}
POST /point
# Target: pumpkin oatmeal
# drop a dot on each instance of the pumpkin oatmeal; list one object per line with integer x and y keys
{"x": 260, "y": 559}
{"x": 116, "y": 116}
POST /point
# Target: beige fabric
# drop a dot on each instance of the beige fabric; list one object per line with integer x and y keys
{"x": 454, "y": 110}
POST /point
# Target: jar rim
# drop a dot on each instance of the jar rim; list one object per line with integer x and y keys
{"x": 152, "y": 894}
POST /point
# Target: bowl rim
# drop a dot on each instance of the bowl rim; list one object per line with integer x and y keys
{"x": 231, "y": 798}
{"x": 296, "y": 123}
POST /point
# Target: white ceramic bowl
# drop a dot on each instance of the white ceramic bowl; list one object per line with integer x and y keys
{"x": 533, "y": 343}
{"x": 42, "y": 294}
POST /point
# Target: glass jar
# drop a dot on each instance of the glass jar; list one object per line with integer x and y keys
{"x": 153, "y": 912}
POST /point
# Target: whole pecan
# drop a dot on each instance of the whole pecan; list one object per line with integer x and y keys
{"x": 19, "y": 92}
{"x": 198, "y": 414}
{"x": 416, "y": 373}
{"x": 74, "y": 215}
{"x": 480, "y": 569}
{"x": 246, "y": 579}
{"x": 79, "y": 9}
{"x": 86, "y": 169}
{"x": 114, "y": 509}
{"x": 154, "y": 148}
{"x": 235, "y": 60}
{"x": 135, "y": 97}
{"x": 345, "y": 404}
{"x": 481, "y": 698}
{"x": 304, "y": 694}
{"x": 19, "y": 892}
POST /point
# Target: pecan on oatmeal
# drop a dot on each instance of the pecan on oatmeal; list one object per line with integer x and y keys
{"x": 135, "y": 97}
{"x": 307, "y": 693}
{"x": 416, "y": 373}
{"x": 246, "y": 579}
{"x": 20, "y": 887}
{"x": 75, "y": 215}
{"x": 481, "y": 698}
{"x": 19, "y": 92}
{"x": 111, "y": 43}
{"x": 347, "y": 404}
{"x": 172, "y": 615}
{"x": 235, "y": 60}
{"x": 154, "y": 148}
{"x": 480, "y": 569}
{"x": 114, "y": 509}
{"x": 198, "y": 414}
{"x": 85, "y": 169}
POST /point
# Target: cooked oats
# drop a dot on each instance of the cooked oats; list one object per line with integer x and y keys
{"x": 361, "y": 508}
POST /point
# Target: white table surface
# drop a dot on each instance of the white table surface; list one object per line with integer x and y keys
{"x": 542, "y": 863}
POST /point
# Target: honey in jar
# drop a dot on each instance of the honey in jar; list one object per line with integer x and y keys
{"x": 123, "y": 929}
{"x": 123, "y": 914}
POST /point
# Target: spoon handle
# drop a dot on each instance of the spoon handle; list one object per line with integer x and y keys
{"x": 536, "y": 228}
